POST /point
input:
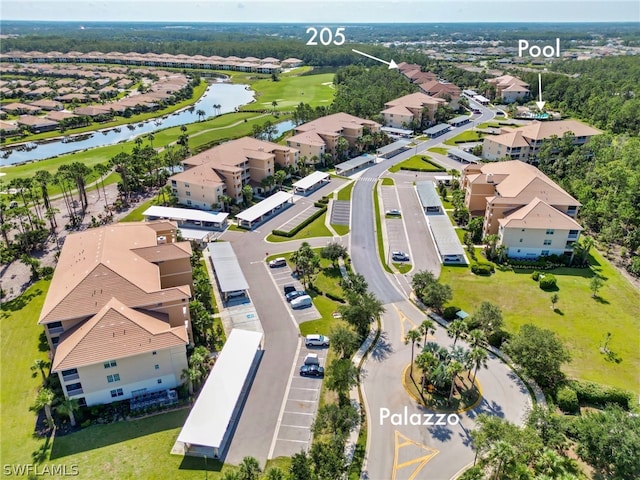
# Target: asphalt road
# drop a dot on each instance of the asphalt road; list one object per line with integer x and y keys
{"x": 403, "y": 450}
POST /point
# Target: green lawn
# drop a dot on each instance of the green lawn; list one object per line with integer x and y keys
{"x": 317, "y": 228}
{"x": 402, "y": 267}
{"x": 340, "y": 229}
{"x": 420, "y": 163}
{"x": 290, "y": 91}
{"x": 135, "y": 215}
{"x": 467, "y": 136}
{"x": 440, "y": 150}
{"x": 386, "y": 181}
{"x": 344, "y": 194}
{"x": 581, "y": 321}
{"x": 380, "y": 243}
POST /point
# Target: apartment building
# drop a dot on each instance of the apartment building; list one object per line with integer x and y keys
{"x": 509, "y": 88}
{"x": 320, "y": 136}
{"x": 523, "y": 143}
{"x": 116, "y": 315}
{"x": 532, "y": 215}
{"x": 416, "y": 107}
{"x": 226, "y": 168}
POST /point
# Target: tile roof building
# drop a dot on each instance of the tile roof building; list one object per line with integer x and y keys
{"x": 415, "y": 107}
{"x": 523, "y": 143}
{"x": 116, "y": 315}
{"x": 510, "y": 88}
{"x": 529, "y": 212}
{"x": 226, "y": 168}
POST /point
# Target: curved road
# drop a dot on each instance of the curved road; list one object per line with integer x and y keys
{"x": 405, "y": 451}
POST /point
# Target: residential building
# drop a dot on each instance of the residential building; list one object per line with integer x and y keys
{"x": 116, "y": 315}
{"x": 509, "y": 88}
{"x": 320, "y": 136}
{"x": 523, "y": 143}
{"x": 516, "y": 195}
{"x": 412, "y": 108}
{"x": 37, "y": 124}
{"x": 440, "y": 89}
{"x": 226, "y": 168}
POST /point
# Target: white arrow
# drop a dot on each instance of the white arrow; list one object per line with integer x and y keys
{"x": 540, "y": 103}
{"x": 391, "y": 64}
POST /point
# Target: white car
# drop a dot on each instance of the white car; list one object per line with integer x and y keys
{"x": 316, "y": 341}
{"x": 399, "y": 256}
{"x": 394, "y": 212}
{"x": 278, "y": 262}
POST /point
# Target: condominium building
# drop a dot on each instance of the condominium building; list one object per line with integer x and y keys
{"x": 314, "y": 139}
{"x": 532, "y": 215}
{"x": 116, "y": 315}
{"x": 509, "y": 88}
{"x": 226, "y": 168}
{"x": 413, "y": 108}
{"x": 523, "y": 143}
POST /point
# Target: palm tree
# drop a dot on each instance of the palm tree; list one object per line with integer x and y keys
{"x": 44, "y": 399}
{"x": 192, "y": 376}
{"x": 453, "y": 369}
{"x": 456, "y": 329}
{"x": 477, "y": 359}
{"x": 477, "y": 337}
{"x": 201, "y": 113}
{"x": 427, "y": 362}
{"x": 68, "y": 407}
{"x": 274, "y": 104}
{"x": 427, "y": 326}
{"x": 44, "y": 178}
{"x": 102, "y": 170}
{"x": 249, "y": 469}
{"x": 412, "y": 336}
{"x": 151, "y": 137}
{"x": 40, "y": 365}
{"x": 50, "y": 215}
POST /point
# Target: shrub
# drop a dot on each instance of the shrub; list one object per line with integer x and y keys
{"x": 497, "y": 338}
{"x": 535, "y": 275}
{"x": 481, "y": 269}
{"x": 547, "y": 282}
{"x": 450, "y": 313}
{"x": 336, "y": 298}
{"x": 599, "y": 395}
{"x": 567, "y": 400}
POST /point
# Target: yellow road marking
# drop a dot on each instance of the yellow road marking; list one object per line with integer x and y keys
{"x": 403, "y": 441}
{"x": 403, "y": 319}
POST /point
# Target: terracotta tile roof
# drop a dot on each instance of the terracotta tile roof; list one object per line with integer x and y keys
{"x": 541, "y": 130}
{"x": 414, "y": 100}
{"x": 307, "y": 138}
{"x": 398, "y": 110}
{"x": 164, "y": 252}
{"x": 539, "y": 214}
{"x": 100, "y": 263}
{"x": 200, "y": 175}
{"x": 116, "y": 331}
{"x": 511, "y": 139}
{"x": 335, "y": 123}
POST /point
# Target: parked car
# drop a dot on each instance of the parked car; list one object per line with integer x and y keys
{"x": 399, "y": 256}
{"x": 311, "y": 371}
{"x": 289, "y": 288}
{"x": 278, "y": 262}
{"x": 311, "y": 359}
{"x": 316, "y": 341}
{"x": 295, "y": 294}
{"x": 394, "y": 212}
{"x": 303, "y": 301}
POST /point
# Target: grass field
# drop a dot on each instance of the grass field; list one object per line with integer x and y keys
{"x": 468, "y": 136}
{"x": 380, "y": 243}
{"x": 386, "y": 181}
{"x": 417, "y": 163}
{"x": 317, "y": 228}
{"x": 136, "y": 214}
{"x": 581, "y": 321}
{"x": 345, "y": 193}
{"x": 402, "y": 267}
{"x": 289, "y": 91}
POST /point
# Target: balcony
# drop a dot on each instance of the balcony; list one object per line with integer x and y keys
{"x": 55, "y": 330}
{"x": 74, "y": 392}
{"x": 68, "y": 378}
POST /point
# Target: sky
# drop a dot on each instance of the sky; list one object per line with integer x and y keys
{"x": 326, "y": 11}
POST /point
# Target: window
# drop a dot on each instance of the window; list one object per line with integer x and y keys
{"x": 188, "y": 202}
{"x": 110, "y": 364}
{"x": 549, "y": 231}
{"x": 156, "y": 366}
{"x": 188, "y": 194}
{"x": 74, "y": 389}
{"x": 544, "y": 253}
{"x": 113, "y": 378}
{"x": 117, "y": 393}
{"x": 82, "y": 402}
{"x": 186, "y": 185}
{"x": 159, "y": 380}
{"x": 520, "y": 240}
{"x": 154, "y": 353}
{"x": 547, "y": 242}
{"x": 523, "y": 229}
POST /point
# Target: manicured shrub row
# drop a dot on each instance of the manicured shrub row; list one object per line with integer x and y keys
{"x": 435, "y": 168}
{"x": 482, "y": 268}
{"x": 336, "y": 298}
{"x": 450, "y": 313}
{"x": 296, "y": 229}
{"x": 319, "y": 204}
{"x": 323, "y": 201}
{"x": 567, "y": 400}
{"x": 599, "y": 395}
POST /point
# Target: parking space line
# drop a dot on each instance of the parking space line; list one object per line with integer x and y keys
{"x": 307, "y": 389}
{"x": 294, "y": 426}
{"x": 284, "y": 402}
{"x": 298, "y": 413}
{"x": 289, "y": 440}
{"x": 293, "y": 320}
{"x": 305, "y": 401}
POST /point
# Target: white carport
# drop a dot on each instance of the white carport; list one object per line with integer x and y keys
{"x": 208, "y": 428}
{"x": 311, "y": 182}
{"x": 266, "y": 208}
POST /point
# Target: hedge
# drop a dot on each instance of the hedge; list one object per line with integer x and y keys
{"x": 548, "y": 282}
{"x": 436, "y": 168}
{"x": 450, "y": 313}
{"x": 567, "y": 400}
{"x": 599, "y": 395}
{"x": 535, "y": 276}
{"x": 482, "y": 269}
{"x": 336, "y": 298}
{"x": 297, "y": 228}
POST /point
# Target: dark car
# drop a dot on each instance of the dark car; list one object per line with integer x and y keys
{"x": 311, "y": 371}
{"x": 295, "y": 294}
{"x": 289, "y": 288}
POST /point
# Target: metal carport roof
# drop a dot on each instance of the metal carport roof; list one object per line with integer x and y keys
{"x": 265, "y": 206}
{"x": 225, "y": 264}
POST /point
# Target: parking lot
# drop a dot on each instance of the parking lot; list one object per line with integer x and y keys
{"x": 299, "y": 409}
{"x": 298, "y": 219}
{"x": 284, "y": 276}
{"x": 396, "y": 233}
